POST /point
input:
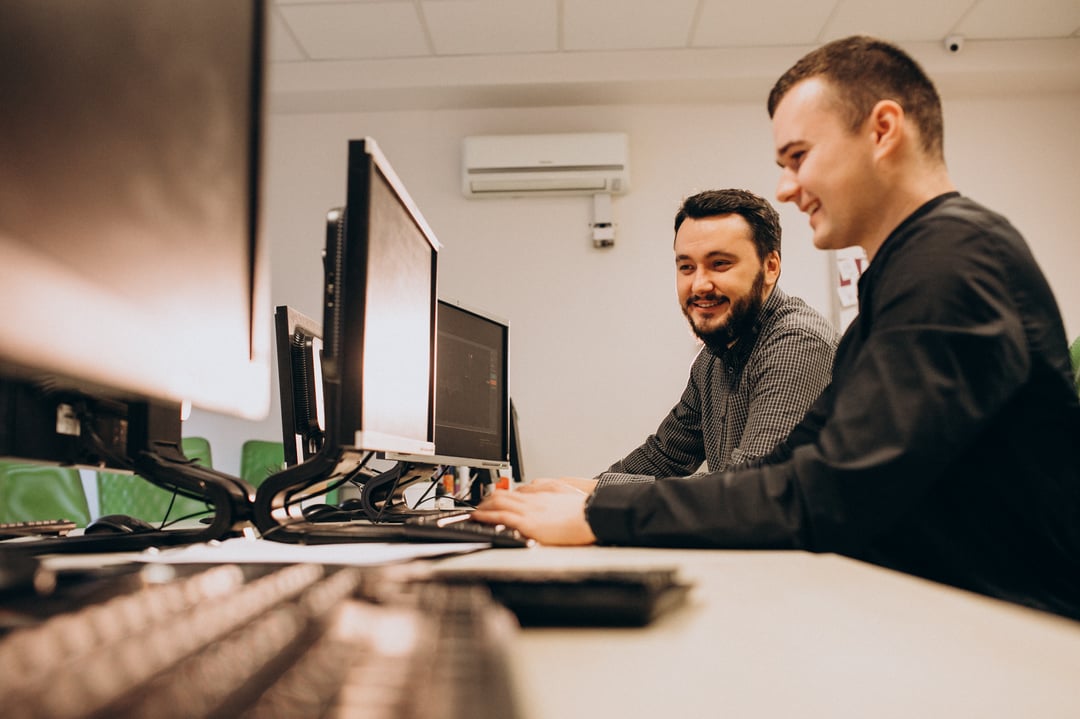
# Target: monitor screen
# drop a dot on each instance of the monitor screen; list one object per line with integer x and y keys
{"x": 129, "y": 161}
{"x": 298, "y": 340}
{"x": 472, "y": 405}
{"x": 379, "y": 313}
{"x": 471, "y": 400}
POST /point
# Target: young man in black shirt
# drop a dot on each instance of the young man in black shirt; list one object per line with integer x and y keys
{"x": 946, "y": 445}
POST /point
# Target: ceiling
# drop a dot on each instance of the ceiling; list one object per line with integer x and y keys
{"x": 412, "y": 54}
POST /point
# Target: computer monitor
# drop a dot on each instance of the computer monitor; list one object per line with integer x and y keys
{"x": 471, "y": 401}
{"x": 133, "y": 265}
{"x": 134, "y": 274}
{"x": 517, "y": 462}
{"x": 298, "y": 340}
{"x": 471, "y": 406}
{"x": 378, "y": 342}
{"x": 471, "y": 390}
{"x": 379, "y": 313}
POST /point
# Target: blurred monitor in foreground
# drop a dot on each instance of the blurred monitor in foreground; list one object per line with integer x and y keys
{"x": 133, "y": 265}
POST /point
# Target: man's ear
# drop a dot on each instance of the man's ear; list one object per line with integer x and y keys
{"x": 886, "y": 125}
{"x": 771, "y": 265}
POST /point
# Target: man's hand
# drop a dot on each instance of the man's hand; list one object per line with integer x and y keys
{"x": 555, "y": 515}
{"x": 547, "y": 485}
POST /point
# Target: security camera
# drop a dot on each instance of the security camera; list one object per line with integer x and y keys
{"x": 954, "y": 44}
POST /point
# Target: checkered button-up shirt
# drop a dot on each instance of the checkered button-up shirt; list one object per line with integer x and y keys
{"x": 739, "y": 404}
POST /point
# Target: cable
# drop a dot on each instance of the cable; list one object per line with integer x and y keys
{"x": 432, "y": 486}
{"x": 300, "y": 495}
{"x": 372, "y": 488}
{"x": 192, "y": 515}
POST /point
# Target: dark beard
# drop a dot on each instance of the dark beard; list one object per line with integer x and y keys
{"x": 743, "y": 315}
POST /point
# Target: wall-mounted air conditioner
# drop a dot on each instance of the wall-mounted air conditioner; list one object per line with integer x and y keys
{"x": 559, "y": 164}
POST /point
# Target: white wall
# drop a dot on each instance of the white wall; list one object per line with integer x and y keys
{"x": 599, "y": 348}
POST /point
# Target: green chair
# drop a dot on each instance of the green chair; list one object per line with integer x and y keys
{"x": 259, "y": 458}
{"x": 38, "y": 491}
{"x": 135, "y": 496}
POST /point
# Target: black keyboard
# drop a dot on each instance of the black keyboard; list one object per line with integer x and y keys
{"x": 441, "y": 526}
{"x": 296, "y": 641}
{"x": 580, "y": 596}
{"x": 36, "y": 528}
{"x": 458, "y": 526}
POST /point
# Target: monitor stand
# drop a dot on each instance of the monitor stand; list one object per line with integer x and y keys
{"x": 138, "y": 436}
{"x": 278, "y": 507}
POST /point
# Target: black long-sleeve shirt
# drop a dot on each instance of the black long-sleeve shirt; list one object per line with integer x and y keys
{"x": 946, "y": 445}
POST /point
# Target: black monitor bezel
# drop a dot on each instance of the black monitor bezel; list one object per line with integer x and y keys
{"x": 345, "y": 310}
{"x": 301, "y": 440}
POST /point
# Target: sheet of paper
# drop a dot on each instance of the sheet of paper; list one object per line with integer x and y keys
{"x": 260, "y": 551}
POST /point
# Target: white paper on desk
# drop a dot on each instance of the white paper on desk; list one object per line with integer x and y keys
{"x": 258, "y": 551}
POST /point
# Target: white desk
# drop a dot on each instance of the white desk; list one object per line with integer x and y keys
{"x": 791, "y": 634}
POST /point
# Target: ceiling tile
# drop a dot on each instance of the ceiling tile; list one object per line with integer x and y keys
{"x": 619, "y": 25}
{"x": 522, "y": 52}
{"x": 898, "y": 21}
{"x": 281, "y": 47}
{"x": 476, "y": 27}
{"x": 765, "y": 22}
{"x": 357, "y": 30}
{"x": 1029, "y": 19}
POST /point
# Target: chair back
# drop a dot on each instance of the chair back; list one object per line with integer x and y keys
{"x": 39, "y": 491}
{"x": 138, "y": 497}
{"x": 259, "y": 458}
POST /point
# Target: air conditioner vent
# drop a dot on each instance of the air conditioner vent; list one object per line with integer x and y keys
{"x": 560, "y": 164}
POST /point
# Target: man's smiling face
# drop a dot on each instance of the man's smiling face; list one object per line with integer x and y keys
{"x": 827, "y": 169}
{"x": 720, "y": 280}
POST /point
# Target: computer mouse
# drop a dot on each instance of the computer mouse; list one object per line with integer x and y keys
{"x": 119, "y": 524}
{"x": 327, "y": 513}
{"x": 352, "y": 504}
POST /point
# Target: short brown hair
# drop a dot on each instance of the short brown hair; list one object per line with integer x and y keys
{"x": 862, "y": 71}
{"x": 758, "y": 213}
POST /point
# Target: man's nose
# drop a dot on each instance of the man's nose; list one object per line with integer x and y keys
{"x": 787, "y": 188}
{"x": 703, "y": 283}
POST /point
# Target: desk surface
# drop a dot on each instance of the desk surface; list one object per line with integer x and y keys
{"x": 792, "y": 634}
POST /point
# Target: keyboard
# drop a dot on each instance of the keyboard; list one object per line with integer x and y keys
{"x": 35, "y": 528}
{"x": 459, "y": 526}
{"x": 441, "y": 526}
{"x": 580, "y": 596}
{"x": 294, "y": 641}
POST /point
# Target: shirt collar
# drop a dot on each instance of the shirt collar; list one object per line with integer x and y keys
{"x": 890, "y": 242}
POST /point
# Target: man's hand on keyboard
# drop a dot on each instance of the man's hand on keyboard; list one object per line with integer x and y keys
{"x": 554, "y": 515}
{"x": 546, "y": 485}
